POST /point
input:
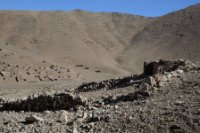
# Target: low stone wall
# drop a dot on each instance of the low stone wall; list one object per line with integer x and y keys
{"x": 111, "y": 83}
{"x": 61, "y": 101}
{"x": 161, "y": 66}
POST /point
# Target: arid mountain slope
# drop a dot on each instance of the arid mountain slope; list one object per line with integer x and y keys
{"x": 68, "y": 38}
{"x": 99, "y": 45}
{"x": 175, "y": 35}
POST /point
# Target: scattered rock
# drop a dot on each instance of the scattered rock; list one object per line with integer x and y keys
{"x": 151, "y": 81}
{"x": 1, "y": 73}
{"x": 146, "y": 88}
{"x": 169, "y": 76}
{"x": 79, "y": 65}
{"x": 33, "y": 119}
{"x": 179, "y": 71}
{"x": 47, "y": 112}
{"x": 164, "y": 78}
{"x": 75, "y": 130}
{"x": 83, "y": 117}
{"x": 16, "y": 78}
{"x": 98, "y": 71}
{"x": 178, "y": 102}
{"x": 174, "y": 74}
{"x": 28, "y": 73}
{"x": 63, "y": 117}
{"x": 4, "y": 74}
{"x": 51, "y": 67}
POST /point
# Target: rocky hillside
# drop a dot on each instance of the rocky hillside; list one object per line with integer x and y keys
{"x": 175, "y": 35}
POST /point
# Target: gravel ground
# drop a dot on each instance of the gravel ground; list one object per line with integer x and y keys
{"x": 173, "y": 107}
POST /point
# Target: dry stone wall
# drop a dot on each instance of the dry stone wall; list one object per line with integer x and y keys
{"x": 41, "y": 102}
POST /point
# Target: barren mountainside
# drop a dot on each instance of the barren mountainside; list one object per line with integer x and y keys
{"x": 67, "y": 38}
{"x": 109, "y": 43}
{"x": 175, "y": 35}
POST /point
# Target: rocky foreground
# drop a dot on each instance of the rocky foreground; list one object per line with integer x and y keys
{"x": 168, "y": 101}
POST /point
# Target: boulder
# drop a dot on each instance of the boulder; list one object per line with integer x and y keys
{"x": 63, "y": 117}
{"x": 179, "y": 71}
{"x": 169, "y": 76}
{"x": 151, "y": 81}
{"x": 174, "y": 74}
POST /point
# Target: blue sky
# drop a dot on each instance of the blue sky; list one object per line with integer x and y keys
{"x": 138, "y": 7}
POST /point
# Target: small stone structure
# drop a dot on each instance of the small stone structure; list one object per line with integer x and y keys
{"x": 159, "y": 67}
{"x": 151, "y": 68}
